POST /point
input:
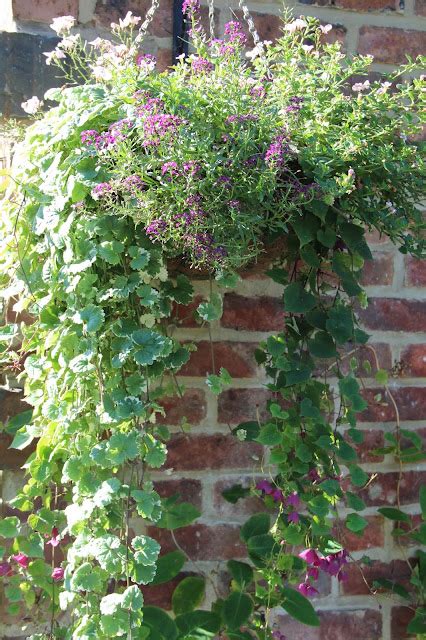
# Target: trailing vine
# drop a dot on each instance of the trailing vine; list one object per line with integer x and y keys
{"x": 211, "y": 163}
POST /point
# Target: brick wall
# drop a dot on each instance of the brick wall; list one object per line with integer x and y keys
{"x": 206, "y": 461}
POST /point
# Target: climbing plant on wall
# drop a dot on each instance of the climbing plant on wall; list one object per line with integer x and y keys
{"x": 223, "y": 158}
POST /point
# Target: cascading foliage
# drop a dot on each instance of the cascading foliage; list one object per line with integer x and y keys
{"x": 211, "y": 163}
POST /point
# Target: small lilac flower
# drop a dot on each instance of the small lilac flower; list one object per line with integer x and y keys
{"x": 22, "y": 560}
{"x": 310, "y": 556}
{"x": 156, "y": 228}
{"x": 277, "y": 151}
{"x": 278, "y": 495}
{"x": 234, "y": 204}
{"x": 265, "y": 487}
{"x": 54, "y": 540}
{"x": 295, "y": 104}
{"x": 58, "y": 574}
{"x": 5, "y": 569}
{"x": 190, "y": 7}
{"x": 89, "y": 137}
{"x": 293, "y": 517}
{"x": 313, "y": 475}
{"x": 293, "y": 500}
{"x": 277, "y": 635}
{"x": 201, "y": 65}
{"x": 191, "y": 167}
{"x": 146, "y": 61}
{"x": 249, "y": 117}
{"x": 157, "y": 126}
{"x": 234, "y": 33}
{"x": 101, "y": 190}
{"x": 133, "y": 183}
{"x": 258, "y": 91}
{"x": 170, "y": 168}
{"x": 307, "y": 589}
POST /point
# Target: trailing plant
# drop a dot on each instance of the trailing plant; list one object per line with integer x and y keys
{"x": 211, "y": 163}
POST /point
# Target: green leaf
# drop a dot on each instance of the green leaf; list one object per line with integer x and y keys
{"x": 269, "y": 435}
{"x": 132, "y": 598}
{"x": 257, "y": 525}
{"x": 237, "y": 609}
{"x": 391, "y": 513}
{"x": 262, "y": 545}
{"x": 340, "y": 323}
{"x": 422, "y": 499}
{"x": 183, "y": 291}
{"x": 418, "y": 623}
{"x": 188, "y": 595}
{"x": 140, "y": 257}
{"x": 358, "y": 476}
{"x": 20, "y": 420}
{"x": 154, "y": 345}
{"x": 198, "y": 625}
{"x": 22, "y": 439}
{"x": 9, "y": 527}
{"x": 107, "y": 492}
{"x": 322, "y": 345}
{"x": 299, "y": 607}
{"x": 168, "y": 567}
{"x": 146, "y": 550}
{"x": 305, "y": 228}
{"x": 356, "y": 523}
{"x": 297, "y": 300}
{"x": 178, "y": 515}
{"x": 234, "y": 493}
{"x": 86, "y": 578}
{"x": 111, "y": 251}
{"x": 353, "y": 236}
{"x": 160, "y": 622}
{"x": 92, "y": 318}
{"x": 354, "y": 501}
{"x": 211, "y": 310}
{"x": 241, "y": 572}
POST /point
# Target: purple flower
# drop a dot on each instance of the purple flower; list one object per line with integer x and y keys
{"x": 293, "y": 517}
{"x": 234, "y": 204}
{"x": 133, "y": 183}
{"x": 293, "y": 500}
{"x": 119, "y": 130}
{"x": 249, "y": 117}
{"x": 277, "y": 151}
{"x": 313, "y": 475}
{"x": 295, "y": 104}
{"x": 265, "y": 487}
{"x": 312, "y": 572}
{"x": 224, "y": 180}
{"x": 190, "y": 7}
{"x": 258, "y": 91}
{"x": 191, "y": 167}
{"x": 156, "y": 228}
{"x": 5, "y": 569}
{"x": 101, "y": 190}
{"x": 307, "y": 589}
{"x": 58, "y": 574}
{"x": 171, "y": 168}
{"x": 310, "y": 556}
{"x": 204, "y": 248}
{"x": 146, "y": 61}
{"x": 201, "y": 65}
{"x": 89, "y": 137}
{"x": 278, "y": 495}
{"x": 54, "y": 540}
{"x": 277, "y": 635}
{"x": 157, "y": 126}
{"x": 234, "y": 33}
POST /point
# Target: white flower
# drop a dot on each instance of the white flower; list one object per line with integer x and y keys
{"x": 256, "y": 51}
{"x": 53, "y": 56}
{"x": 326, "y": 28}
{"x": 63, "y": 24}
{"x": 361, "y": 86}
{"x": 69, "y": 42}
{"x": 101, "y": 73}
{"x": 296, "y": 25}
{"x": 307, "y": 48}
{"x": 383, "y": 88}
{"x": 32, "y": 105}
{"x": 129, "y": 20}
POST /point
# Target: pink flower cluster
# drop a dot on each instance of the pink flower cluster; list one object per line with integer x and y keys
{"x": 201, "y": 65}
{"x": 277, "y": 152}
{"x": 332, "y": 565}
{"x": 292, "y": 501}
{"x": 6, "y": 568}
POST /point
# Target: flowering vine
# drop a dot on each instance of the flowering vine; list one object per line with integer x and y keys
{"x": 211, "y": 163}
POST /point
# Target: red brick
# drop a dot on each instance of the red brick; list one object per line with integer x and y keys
{"x": 201, "y": 542}
{"x": 400, "y": 618}
{"x": 367, "y": 5}
{"x": 411, "y": 402}
{"x": 407, "y": 541}
{"x": 269, "y": 27}
{"x": 43, "y": 10}
{"x": 12, "y": 458}
{"x": 164, "y": 59}
{"x": 335, "y": 625}
{"x": 236, "y": 357}
{"x": 415, "y": 272}
{"x": 184, "y": 315}
{"x": 253, "y": 314}
{"x": 219, "y": 451}
{"x": 160, "y": 595}
{"x": 378, "y": 271}
{"x": 373, "y": 536}
{"x": 373, "y": 439}
{"x": 390, "y": 45}
{"x": 394, "y": 314}
{"x": 382, "y": 489}
{"x": 11, "y": 403}
{"x": 192, "y": 407}
{"x": 241, "y": 405}
{"x": 376, "y": 238}
{"x": 161, "y": 26}
{"x": 413, "y": 359}
{"x": 337, "y": 34}
{"x": 356, "y": 583}
{"x": 421, "y": 7}
{"x": 365, "y": 354}
{"x": 189, "y": 490}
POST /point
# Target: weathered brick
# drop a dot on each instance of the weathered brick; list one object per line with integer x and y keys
{"x": 420, "y": 7}
{"x": 394, "y": 314}
{"x": 191, "y": 406}
{"x": 261, "y": 313}
{"x": 161, "y": 595}
{"x": 268, "y": 26}
{"x": 335, "y": 625}
{"x": 406, "y": 541}
{"x": 12, "y": 458}
{"x": 413, "y": 359}
{"x": 415, "y": 272}
{"x": 355, "y": 585}
{"x": 244, "y": 506}
{"x": 382, "y": 490}
{"x": 164, "y": 59}
{"x": 109, "y": 11}
{"x": 400, "y": 618}
{"x": 373, "y": 439}
{"x": 373, "y": 535}
{"x": 184, "y": 315}
{"x": 218, "y": 451}
{"x": 411, "y": 402}
{"x": 390, "y": 45}
{"x": 378, "y": 271}
{"x": 43, "y": 10}
{"x": 203, "y": 542}
{"x": 236, "y": 357}
{"x": 365, "y": 354}
{"x": 189, "y": 490}
{"x": 11, "y": 403}
{"x": 241, "y": 405}
{"x": 367, "y": 5}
